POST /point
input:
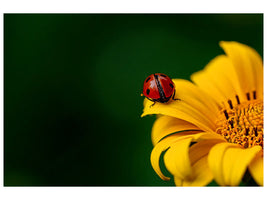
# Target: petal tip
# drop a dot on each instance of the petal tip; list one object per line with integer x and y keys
{"x": 223, "y": 43}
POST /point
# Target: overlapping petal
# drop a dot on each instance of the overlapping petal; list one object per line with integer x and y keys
{"x": 171, "y": 143}
{"x": 167, "y": 143}
{"x": 229, "y": 162}
{"x": 180, "y": 165}
{"x": 233, "y": 74}
{"x": 201, "y": 174}
{"x": 166, "y": 125}
{"x": 218, "y": 79}
{"x": 247, "y": 64}
{"x": 256, "y": 168}
{"x": 179, "y": 144}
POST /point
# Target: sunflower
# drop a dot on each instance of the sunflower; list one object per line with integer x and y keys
{"x": 215, "y": 132}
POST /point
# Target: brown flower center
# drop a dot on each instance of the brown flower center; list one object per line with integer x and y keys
{"x": 242, "y": 124}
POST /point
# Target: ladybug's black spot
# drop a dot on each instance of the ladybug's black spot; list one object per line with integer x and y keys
{"x": 163, "y": 75}
{"x": 147, "y": 91}
{"x": 171, "y": 85}
{"x": 148, "y": 79}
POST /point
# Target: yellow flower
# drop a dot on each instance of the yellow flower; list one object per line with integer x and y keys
{"x": 216, "y": 131}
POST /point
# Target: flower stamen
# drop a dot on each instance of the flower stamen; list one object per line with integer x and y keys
{"x": 243, "y": 123}
{"x": 226, "y": 114}
{"x": 230, "y": 104}
{"x": 254, "y": 94}
{"x": 248, "y": 96}
{"x": 237, "y": 99}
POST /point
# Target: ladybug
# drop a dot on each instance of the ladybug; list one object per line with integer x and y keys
{"x": 159, "y": 87}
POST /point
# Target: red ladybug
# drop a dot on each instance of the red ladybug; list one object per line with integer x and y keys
{"x": 159, "y": 87}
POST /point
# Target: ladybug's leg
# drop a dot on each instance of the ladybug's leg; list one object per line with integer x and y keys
{"x": 152, "y": 101}
{"x": 174, "y": 96}
{"x": 152, "y": 104}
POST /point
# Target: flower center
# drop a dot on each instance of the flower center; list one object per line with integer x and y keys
{"x": 242, "y": 124}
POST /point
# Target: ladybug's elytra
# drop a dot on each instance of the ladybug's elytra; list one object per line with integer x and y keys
{"x": 159, "y": 87}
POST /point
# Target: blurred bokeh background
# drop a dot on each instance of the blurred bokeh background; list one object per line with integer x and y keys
{"x": 72, "y": 86}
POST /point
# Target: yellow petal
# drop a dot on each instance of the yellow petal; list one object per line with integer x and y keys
{"x": 236, "y": 161}
{"x": 256, "y": 168}
{"x": 248, "y": 66}
{"x": 201, "y": 174}
{"x": 215, "y": 160}
{"x": 212, "y": 136}
{"x": 164, "y": 145}
{"x": 229, "y": 162}
{"x": 166, "y": 125}
{"x": 202, "y": 148}
{"x": 177, "y": 160}
{"x": 192, "y": 116}
{"x": 178, "y": 181}
{"x": 193, "y": 106}
{"x": 190, "y": 93}
{"x": 219, "y": 80}
{"x": 156, "y": 152}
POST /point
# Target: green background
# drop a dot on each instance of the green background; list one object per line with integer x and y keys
{"x": 72, "y": 86}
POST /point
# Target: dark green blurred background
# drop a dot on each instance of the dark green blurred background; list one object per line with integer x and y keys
{"x": 72, "y": 86}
